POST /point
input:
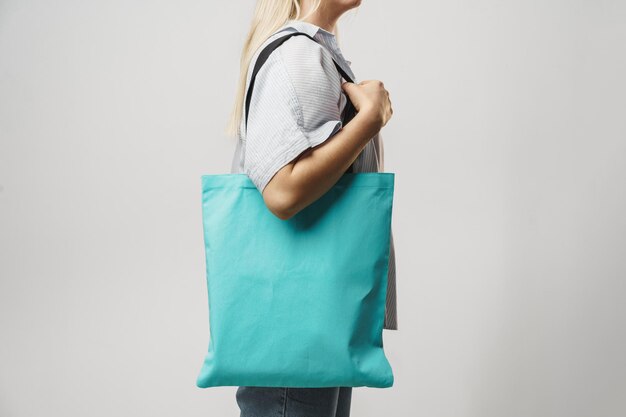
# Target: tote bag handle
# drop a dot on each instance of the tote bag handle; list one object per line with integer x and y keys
{"x": 349, "y": 110}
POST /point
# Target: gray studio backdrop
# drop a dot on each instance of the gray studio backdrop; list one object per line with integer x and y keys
{"x": 508, "y": 141}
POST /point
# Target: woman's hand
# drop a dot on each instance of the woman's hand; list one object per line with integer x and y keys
{"x": 371, "y": 97}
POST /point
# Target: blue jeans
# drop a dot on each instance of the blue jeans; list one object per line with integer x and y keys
{"x": 294, "y": 402}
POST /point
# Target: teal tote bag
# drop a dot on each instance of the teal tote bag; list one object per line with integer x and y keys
{"x": 297, "y": 302}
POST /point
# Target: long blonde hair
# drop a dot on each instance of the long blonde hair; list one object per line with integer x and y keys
{"x": 269, "y": 16}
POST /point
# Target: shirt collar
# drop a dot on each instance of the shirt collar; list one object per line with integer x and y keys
{"x": 308, "y": 28}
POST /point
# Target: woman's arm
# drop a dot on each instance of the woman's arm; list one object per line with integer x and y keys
{"x": 316, "y": 170}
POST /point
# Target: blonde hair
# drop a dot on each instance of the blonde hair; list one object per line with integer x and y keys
{"x": 269, "y": 16}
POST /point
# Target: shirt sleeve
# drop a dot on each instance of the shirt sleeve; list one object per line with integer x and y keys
{"x": 295, "y": 105}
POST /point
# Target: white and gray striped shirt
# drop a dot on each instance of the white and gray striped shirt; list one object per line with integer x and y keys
{"x": 297, "y": 104}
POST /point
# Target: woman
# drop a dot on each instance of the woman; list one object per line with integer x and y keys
{"x": 295, "y": 147}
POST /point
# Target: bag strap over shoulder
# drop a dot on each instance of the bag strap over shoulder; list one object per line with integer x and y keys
{"x": 349, "y": 110}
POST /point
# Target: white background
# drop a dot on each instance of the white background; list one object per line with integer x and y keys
{"x": 508, "y": 141}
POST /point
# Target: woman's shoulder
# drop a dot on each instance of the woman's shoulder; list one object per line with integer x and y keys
{"x": 300, "y": 56}
{"x": 299, "y": 77}
{"x": 300, "y": 70}
{"x": 303, "y": 51}
{"x": 303, "y": 44}
{"x": 310, "y": 65}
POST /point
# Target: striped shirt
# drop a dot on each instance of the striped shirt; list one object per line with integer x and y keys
{"x": 297, "y": 104}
